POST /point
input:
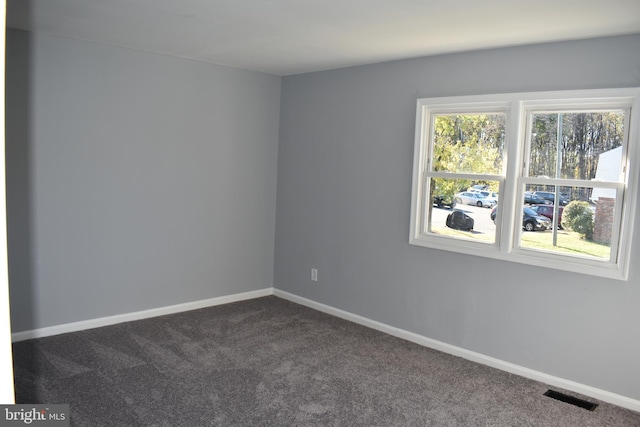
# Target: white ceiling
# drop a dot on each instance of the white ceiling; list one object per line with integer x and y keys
{"x": 286, "y": 37}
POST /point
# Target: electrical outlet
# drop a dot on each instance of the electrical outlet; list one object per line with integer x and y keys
{"x": 314, "y": 274}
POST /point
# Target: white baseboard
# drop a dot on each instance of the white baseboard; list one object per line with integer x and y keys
{"x": 473, "y": 356}
{"x": 138, "y": 315}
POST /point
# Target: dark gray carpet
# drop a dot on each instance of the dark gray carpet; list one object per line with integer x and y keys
{"x": 270, "y": 362}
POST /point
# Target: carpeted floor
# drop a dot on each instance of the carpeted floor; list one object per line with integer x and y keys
{"x": 270, "y": 362}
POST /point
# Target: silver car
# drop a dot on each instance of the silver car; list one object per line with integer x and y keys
{"x": 476, "y": 199}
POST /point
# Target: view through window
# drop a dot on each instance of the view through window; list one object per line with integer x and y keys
{"x": 467, "y": 164}
{"x": 575, "y": 166}
{"x": 543, "y": 178}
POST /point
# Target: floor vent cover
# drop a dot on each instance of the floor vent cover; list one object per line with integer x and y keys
{"x": 571, "y": 400}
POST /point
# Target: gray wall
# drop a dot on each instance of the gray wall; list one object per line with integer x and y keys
{"x": 135, "y": 180}
{"x": 344, "y": 189}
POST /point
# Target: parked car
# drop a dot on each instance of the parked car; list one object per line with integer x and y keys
{"x": 551, "y": 197}
{"x": 443, "y": 201}
{"x": 532, "y": 199}
{"x": 459, "y": 221}
{"x": 476, "y": 199}
{"x": 486, "y": 193}
{"x": 547, "y": 211}
{"x": 479, "y": 187}
{"x": 531, "y": 221}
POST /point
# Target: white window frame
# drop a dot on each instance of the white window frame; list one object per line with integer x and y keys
{"x": 518, "y": 107}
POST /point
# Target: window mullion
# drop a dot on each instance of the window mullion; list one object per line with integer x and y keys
{"x": 515, "y": 131}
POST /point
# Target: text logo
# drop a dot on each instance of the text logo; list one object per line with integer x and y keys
{"x": 34, "y": 415}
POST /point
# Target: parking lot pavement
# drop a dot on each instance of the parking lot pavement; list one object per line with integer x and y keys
{"x": 481, "y": 217}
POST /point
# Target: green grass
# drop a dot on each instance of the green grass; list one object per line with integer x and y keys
{"x": 468, "y": 235}
{"x": 568, "y": 242}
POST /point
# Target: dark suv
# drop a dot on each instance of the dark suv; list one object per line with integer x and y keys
{"x": 532, "y": 199}
{"x": 531, "y": 220}
{"x": 547, "y": 195}
{"x": 444, "y": 201}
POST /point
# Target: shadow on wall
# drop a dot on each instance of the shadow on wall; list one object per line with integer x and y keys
{"x": 19, "y": 176}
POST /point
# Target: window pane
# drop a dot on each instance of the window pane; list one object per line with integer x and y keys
{"x": 469, "y": 143}
{"x": 585, "y": 223}
{"x": 463, "y": 209}
{"x": 586, "y": 137}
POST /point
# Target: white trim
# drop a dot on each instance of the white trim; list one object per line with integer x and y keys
{"x": 603, "y": 395}
{"x": 138, "y": 315}
{"x": 6, "y": 364}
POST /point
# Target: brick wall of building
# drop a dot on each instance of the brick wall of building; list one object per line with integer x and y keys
{"x": 603, "y": 220}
